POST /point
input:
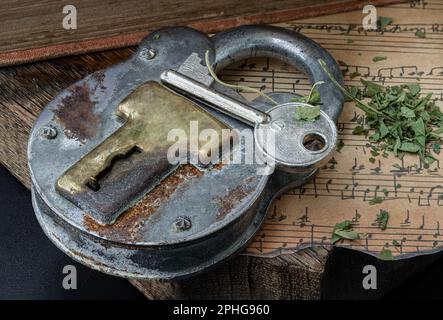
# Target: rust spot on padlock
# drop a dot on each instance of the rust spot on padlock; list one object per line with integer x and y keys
{"x": 234, "y": 196}
{"x": 130, "y": 223}
{"x": 76, "y": 114}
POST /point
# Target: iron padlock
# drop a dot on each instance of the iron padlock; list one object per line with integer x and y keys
{"x": 103, "y": 188}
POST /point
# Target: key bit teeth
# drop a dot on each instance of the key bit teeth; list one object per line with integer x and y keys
{"x": 195, "y": 69}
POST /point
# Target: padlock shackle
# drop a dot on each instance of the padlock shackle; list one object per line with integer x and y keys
{"x": 289, "y": 46}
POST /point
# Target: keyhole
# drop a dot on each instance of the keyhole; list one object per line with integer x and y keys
{"x": 314, "y": 142}
{"x": 94, "y": 183}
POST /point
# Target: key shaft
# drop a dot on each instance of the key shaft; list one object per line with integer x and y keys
{"x": 216, "y": 100}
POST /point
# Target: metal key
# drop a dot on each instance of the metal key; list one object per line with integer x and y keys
{"x": 288, "y": 144}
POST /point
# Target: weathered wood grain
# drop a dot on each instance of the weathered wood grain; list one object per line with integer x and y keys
{"x": 33, "y": 30}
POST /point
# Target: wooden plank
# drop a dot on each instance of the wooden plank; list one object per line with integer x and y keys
{"x": 31, "y": 30}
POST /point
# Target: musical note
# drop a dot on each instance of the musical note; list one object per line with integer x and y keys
{"x": 437, "y": 233}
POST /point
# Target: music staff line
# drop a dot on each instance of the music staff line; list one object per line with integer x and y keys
{"x": 378, "y": 178}
{"x": 293, "y": 228}
{"x": 371, "y": 44}
{"x": 393, "y": 36}
{"x": 367, "y": 183}
{"x": 383, "y": 38}
{"x": 380, "y": 175}
{"x": 374, "y": 249}
{"x": 279, "y": 73}
{"x": 368, "y": 241}
{"x": 382, "y": 242}
{"x": 280, "y": 85}
{"x": 392, "y": 236}
{"x": 431, "y": 7}
{"x": 396, "y": 182}
{"x": 304, "y": 85}
{"x": 301, "y": 81}
{"x": 387, "y": 192}
{"x": 347, "y": 28}
{"x": 365, "y": 198}
{"x": 282, "y": 67}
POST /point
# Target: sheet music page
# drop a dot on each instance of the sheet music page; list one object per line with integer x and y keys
{"x": 343, "y": 190}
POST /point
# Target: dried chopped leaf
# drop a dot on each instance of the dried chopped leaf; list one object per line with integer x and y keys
{"x": 409, "y": 147}
{"x": 382, "y": 219}
{"x": 402, "y": 119}
{"x": 407, "y": 113}
{"x": 383, "y": 22}
{"x": 343, "y": 230}
{"x": 386, "y": 254}
{"x": 383, "y": 129}
{"x": 375, "y": 200}
{"x": 360, "y": 130}
{"x": 307, "y": 113}
{"x": 420, "y": 34}
{"x": 354, "y": 75}
{"x": 345, "y": 234}
{"x": 340, "y": 145}
{"x": 379, "y": 58}
{"x": 314, "y": 98}
{"x": 414, "y": 88}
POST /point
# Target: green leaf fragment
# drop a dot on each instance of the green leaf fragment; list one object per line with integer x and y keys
{"x": 349, "y": 235}
{"x": 414, "y": 88}
{"x": 375, "y": 200}
{"x": 340, "y": 145}
{"x": 409, "y": 147}
{"x": 383, "y": 129}
{"x": 343, "y": 230}
{"x": 354, "y": 75}
{"x": 360, "y": 130}
{"x": 400, "y": 118}
{"x": 382, "y": 219}
{"x": 379, "y": 58}
{"x": 386, "y": 254}
{"x": 420, "y": 34}
{"x": 314, "y": 98}
{"x": 383, "y": 22}
{"x": 407, "y": 113}
{"x": 307, "y": 113}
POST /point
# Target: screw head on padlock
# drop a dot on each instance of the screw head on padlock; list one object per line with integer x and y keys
{"x": 103, "y": 189}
